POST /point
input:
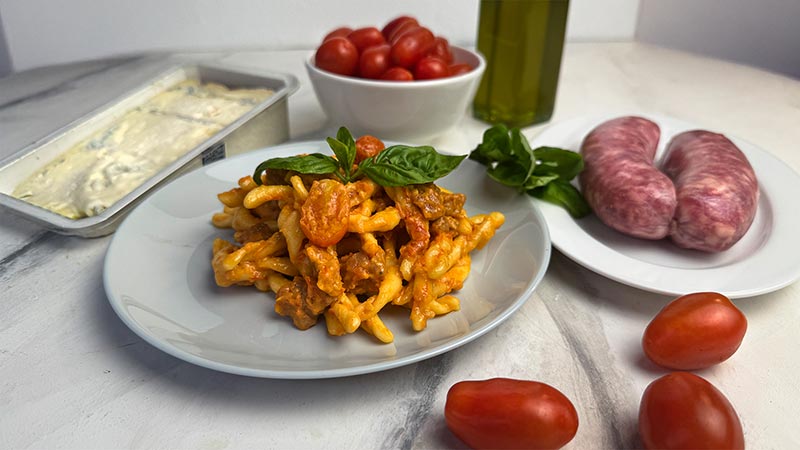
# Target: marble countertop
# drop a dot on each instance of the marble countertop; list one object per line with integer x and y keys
{"x": 74, "y": 376}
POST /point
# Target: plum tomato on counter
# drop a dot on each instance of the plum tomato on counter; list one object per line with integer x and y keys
{"x": 694, "y": 331}
{"x": 403, "y": 50}
{"x": 503, "y": 413}
{"x": 683, "y": 410}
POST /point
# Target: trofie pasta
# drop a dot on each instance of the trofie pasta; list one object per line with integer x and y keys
{"x": 345, "y": 250}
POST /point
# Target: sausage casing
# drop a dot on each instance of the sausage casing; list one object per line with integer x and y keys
{"x": 716, "y": 189}
{"x": 620, "y": 181}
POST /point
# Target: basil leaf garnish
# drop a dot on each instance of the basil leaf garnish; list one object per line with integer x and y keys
{"x": 564, "y": 194}
{"x": 344, "y": 147}
{"x": 544, "y": 172}
{"x": 315, "y": 163}
{"x": 401, "y": 165}
{"x": 564, "y": 163}
{"x": 398, "y": 165}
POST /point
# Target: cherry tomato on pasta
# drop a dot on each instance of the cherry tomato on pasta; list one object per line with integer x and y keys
{"x": 502, "y": 413}
{"x": 683, "y": 410}
{"x": 337, "y": 55}
{"x": 695, "y": 331}
{"x": 367, "y": 146}
{"x": 325, "y": 214}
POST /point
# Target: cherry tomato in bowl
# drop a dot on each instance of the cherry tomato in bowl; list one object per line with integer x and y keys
{"x": 683, "y": 410}
{"x": 364, "y": 38}
{"x": 503, "y": 413}
{"x": 694, "y": 331}
{"x": 390, "y": 28}
{"x": 411, "y": 47}
{"x": 397, "y": 74}
{"x": 374, "y": 61}
{"x": 337, "y": 55}
{"x": 338, "y": 32}
{"x": 430, "y": 68}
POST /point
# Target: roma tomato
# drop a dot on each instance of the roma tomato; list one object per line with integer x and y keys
{"x": 430, "y": 68}
{"x": 683, "y": 410}
{"x": 441, "y": 50}
{"x": 502, "y": 413}
{"x": 339, "y": 32}
{"x": 694, "y": 331}
{"x": 389, "y": 29}
{"x": 397, "y": 74}
{"x": 326, "y": 213}
{"x": 367, "y": 146}
{"x": 411, "y": 47}
{"x": 458, "y": 69}
{"x": 364, "y": 38}
{"x": 337, "y": 55}
{"x": 374, "y": 61}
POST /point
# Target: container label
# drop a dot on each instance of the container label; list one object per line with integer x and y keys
{"x": 214, "y": 153}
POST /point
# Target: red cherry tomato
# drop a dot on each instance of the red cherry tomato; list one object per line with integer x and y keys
{"x": 694, "y": 331}
{"x": 430, "y": 68}
{"x": 367, "y": 146}
{"x": 682, "y": 410}
{"x": 364, "y": 38}
{"x": 441, "y": 50}
{"x": 374, "y": 61}
{"x": 325, "y": 214}
{"x": 502, "y": 413}
{"x": 411, "y": 47}
{"x": 397, "y": 74}
{"x": 458, "y": 69}
{"x": 389, "y": 29}
{"x": 339, "y": 32}
{"x": 401, "y": 30}
{"x": 337, "y": 55}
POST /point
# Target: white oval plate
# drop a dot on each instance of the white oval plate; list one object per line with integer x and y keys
{"x": 764, "y": 260}
{"x": 159, "y": 281}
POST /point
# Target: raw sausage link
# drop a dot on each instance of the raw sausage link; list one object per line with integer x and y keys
{"x": 620, "y": 182}
{"x": 716, "y": 188}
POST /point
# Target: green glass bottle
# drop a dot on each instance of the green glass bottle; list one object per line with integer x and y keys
{"x": 522, "y": 41}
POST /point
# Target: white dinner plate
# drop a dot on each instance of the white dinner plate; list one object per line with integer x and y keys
{"x": 764, "y": 260}
{"x": 159, "y": 281}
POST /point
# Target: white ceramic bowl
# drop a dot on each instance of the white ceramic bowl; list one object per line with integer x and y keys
{"x": 400, "y": 111}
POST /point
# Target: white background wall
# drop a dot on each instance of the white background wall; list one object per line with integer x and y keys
{"x": 41, "y": 32}
{"x": 761, "y": 33}
{"x": 764, "y": 33}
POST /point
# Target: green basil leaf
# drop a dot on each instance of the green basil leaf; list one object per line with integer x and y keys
{"x": 402, "y": 165}
{"x": 556, "y": 161}
{"x": 344, "y": 136}
{"x": 564, "y": 194}
{"x": 521, "y": 149}
{"x": 315, "y": 163}
{"x": 536, "y": 181}
{"x": 495, "y": 147}
{"x": 508, "y": 173}
{"x": 344, "y": 147}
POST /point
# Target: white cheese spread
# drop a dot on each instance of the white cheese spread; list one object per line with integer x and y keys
{"x": 94, "y": 174}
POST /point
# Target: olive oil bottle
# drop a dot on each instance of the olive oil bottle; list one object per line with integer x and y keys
{"x": 522, "y": 41}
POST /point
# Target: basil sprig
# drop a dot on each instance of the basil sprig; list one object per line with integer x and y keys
{"x": 397, "y": 165}
{"x": 544, "y": 172}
